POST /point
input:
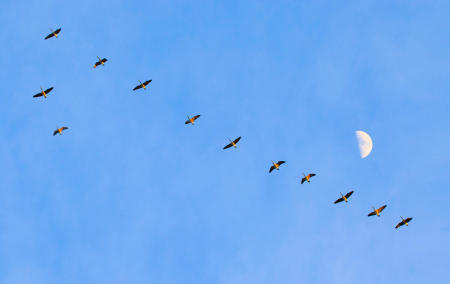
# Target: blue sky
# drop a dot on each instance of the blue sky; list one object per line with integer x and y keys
{"x": 129, "y": 194}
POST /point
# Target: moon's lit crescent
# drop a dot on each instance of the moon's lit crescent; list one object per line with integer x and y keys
{"x": 365, "y": 143}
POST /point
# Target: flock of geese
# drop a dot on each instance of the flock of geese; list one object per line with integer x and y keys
{"x": 233, "y": 143}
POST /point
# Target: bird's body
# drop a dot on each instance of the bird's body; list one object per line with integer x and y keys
{"x": 59, "y": 130}
{"x": 142, "y": 85}
{"x": 307, "y": 177}
{"x": 344, "y": 197}
{"x": 377, "y": 211}
{"x": 276, "y": 166}
{"x": 403, "y": 222}
{"x": 53, "y": 34}
{"x": 191, "y": 120}
{"x": 43, "y": 93}
{"x": 232, "y": 143}
{"x": 100, "y": 62}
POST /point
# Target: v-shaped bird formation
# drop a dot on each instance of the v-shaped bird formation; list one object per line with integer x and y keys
{"x": 365, "y": 142}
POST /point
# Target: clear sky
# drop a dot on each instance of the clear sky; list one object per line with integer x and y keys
{"x": 129, "y": 194}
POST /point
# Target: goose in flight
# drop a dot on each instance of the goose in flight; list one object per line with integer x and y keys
{"x": 142, "y": 85}
{"x": 307, "y": 177}
{"x": 43, "y": 93}
{"x": 232, "y": 143}
{"x": 344, "y": 197}
{"x": 377, "y": 211}
{"x": 59, "y": 130}
{"x": 276, "y": 166}
{"x": 403, "y": 222}
{"x": 53, "y": 34}
{"x": 100, "y": 62}
{"x": 191, "y": 120}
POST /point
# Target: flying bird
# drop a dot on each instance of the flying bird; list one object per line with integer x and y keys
{"x": 344, "y": 197}
{"x": 233, "y": 143}
{"x": 377, "y": 211}
{"x": 276, "y": 166}
{"x": 191, "y": 120}
{"x": 142, "y": 85}
{"x": 43, "y": 93}
{"x": 53, "y": 34}
{"x": 403, "y": 222}
{"x": 100, "y": 62}
{"x": 59, "y": 130}
{"x": 307, "y": 177}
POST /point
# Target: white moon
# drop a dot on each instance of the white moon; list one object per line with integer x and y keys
{"x": 364, "y": 143}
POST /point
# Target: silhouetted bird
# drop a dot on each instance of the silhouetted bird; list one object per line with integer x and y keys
{"x": 232, "y": 143}
{"x": 377, "y": 211}
{"x": 142, "y": 85}
{"x": 100, "y": 62}
{"x": 403, "y": 222}
{"x": 276, "y": 166}
{"x": 344, "y": 197}
{"x": 307, "y": 177}
{"x": 43, "y": 93}
{"x": 53, "y": 33}
{"x": 191, "y": 120}
{"x": 59, "y": 130}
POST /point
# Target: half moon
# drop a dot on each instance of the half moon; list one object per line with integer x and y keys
{"x": 364, "y": 143}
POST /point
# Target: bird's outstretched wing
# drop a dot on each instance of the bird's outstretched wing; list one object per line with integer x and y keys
{"x": 97, "y": 64}
{"x": 381, "y": 208}
{"x": 104, "y": 60}
{"x": 55, "y": 132}
{"x": 38, "y": 95}
{"x": 237, "y": 140}
{"x": 228, "y": 146}
{"x": 137, "y": 87}
{"x": 271, "y": 169}
{"x": 57, "y": 31}
{"x": 400, "y": 224}
{"x": 303, "y": 180}
{"x": 147, "y": 82}
{"x": 311, "y": 175}
{"x": 339, "y": 200}
{"x": 408, "y": 220}
{"x": 195, "y": 117}
{"x": 64, "y": 128}
{"x": 372, "y": 213}
{"x": 349, "y": 194}
{"x": 48, "y": 90}
{"x": 281, "y": 162}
